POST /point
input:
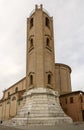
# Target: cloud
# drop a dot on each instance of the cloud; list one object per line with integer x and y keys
{"x": 69, "y": 39}
{"x": 68, "y": 18}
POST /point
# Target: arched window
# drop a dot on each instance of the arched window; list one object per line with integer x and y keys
{"x": 47, "y": 42}
{"x": 66, "y": 100}
{"x": 31, "y": 42}
{"x": 0, "y": 105}
{"x": 71, "y": 99}
{"x": 47, "y": 22}
{"x": 14, "y": 98}
{"x": 31, "y": 79}
{"x": 31, "y": 22}
{"x": 8, "y": 94}
{"x": 8, "y": 102}
{"x": 16, "y": 89}
{"x": 49, "y": 79}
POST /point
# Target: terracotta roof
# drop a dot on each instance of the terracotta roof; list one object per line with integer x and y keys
{"x": 14, "y": 84}
{"x": 61, "y": 64}
{"x": 72, "y": 93}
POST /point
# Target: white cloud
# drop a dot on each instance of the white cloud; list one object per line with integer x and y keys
{"x": 68, "y": 34}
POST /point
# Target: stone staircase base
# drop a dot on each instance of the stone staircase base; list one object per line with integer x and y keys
{"x": 41, "y": 107}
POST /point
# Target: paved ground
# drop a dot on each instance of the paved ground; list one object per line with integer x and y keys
{"x": 76, "y": 126}
{"x": 7, "y": 128}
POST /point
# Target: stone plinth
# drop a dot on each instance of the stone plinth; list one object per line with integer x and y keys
{"x": 41, "y": 107}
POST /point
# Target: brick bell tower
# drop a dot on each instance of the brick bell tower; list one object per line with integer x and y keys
{"x": 40, "y": 101}
{"x": 40, "y": 67}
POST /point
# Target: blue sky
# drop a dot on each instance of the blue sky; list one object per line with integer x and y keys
{"x": 68, "y": 16}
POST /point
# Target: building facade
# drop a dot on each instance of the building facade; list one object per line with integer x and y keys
{"x": 11, "y": 100}
{"x": 73, "y": 105}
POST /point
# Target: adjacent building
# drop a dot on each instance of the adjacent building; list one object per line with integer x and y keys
{"x": 73, "y": 105}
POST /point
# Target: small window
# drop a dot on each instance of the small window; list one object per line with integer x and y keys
{"x": 71, "y": 99}
{"x": 66, "y": 100}
{"x": 8, "y": 102}
{"x": 47, "y": 42}
{"x": 31, "y": 42}
{"x": 31, "y": 79}
{"x": 49, "y": 79}
{"x": 8, "y": 94}
{"x": 31, "y": 23}
{"x": 14, "y": 98}
{"x": 16, "y": 89}
{"x": 47, "y": 22}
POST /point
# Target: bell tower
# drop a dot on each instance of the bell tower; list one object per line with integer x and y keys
{"x": 40, "y": 101}
{"x": 40, "y": 67}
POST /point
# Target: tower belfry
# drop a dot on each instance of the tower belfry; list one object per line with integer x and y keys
{"x": 41, "y": 100}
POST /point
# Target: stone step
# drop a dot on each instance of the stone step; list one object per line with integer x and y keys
{"x": 43, "y": 108}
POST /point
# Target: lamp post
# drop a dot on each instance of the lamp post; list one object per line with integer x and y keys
{"x": 27, "y": 117}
